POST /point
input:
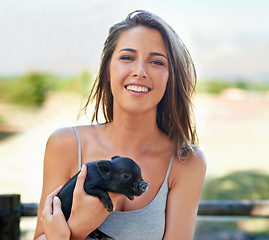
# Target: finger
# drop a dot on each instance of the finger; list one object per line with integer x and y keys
{"x": 57, "y": 206}
{"x": 47, "y": 210}
{"x": 81, "y": 179}
{"x": 56, "y": 191}
{"x": 48, "y": 203}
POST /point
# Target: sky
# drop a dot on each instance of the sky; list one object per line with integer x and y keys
{"x": 226, "y": 38}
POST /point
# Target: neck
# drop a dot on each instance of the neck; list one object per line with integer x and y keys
{"x": 133, "y": 133}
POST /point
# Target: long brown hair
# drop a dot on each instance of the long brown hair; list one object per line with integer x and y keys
{"x": 175, "y": 110}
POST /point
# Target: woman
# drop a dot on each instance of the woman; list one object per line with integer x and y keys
{"x": 144, "y": 89}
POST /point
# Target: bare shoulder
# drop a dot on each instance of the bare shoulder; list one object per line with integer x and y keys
{"x": 193, "y": 168}
{"x": 87, "y": 132}
{"x": 61, "y": 150}
{"x": 196, "y": 160}
{"x": 62, "y": 136}
{"x": 185, "y": 185}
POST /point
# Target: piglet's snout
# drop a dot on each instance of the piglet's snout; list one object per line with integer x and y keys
{"x": 143, "y": 186}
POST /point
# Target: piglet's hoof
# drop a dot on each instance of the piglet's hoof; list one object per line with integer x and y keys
{"x": 109, "y": 206}
{"x": 96, "y": 234}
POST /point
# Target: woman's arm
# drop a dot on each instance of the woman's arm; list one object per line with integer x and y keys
{"x": 59, "y": 163}
{"x": 60, "y": 155}
{"x": 53, "y": 220}
{"x": 183, "y": 197}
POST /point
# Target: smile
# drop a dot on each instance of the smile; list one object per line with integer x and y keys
{"x": 136, "y": 88}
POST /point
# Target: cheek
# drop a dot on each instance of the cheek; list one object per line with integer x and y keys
{"x": 163, "y": 91}
{"x": 117, "y": 72}
{"x": 160, "y": 86}
{"x": 117, "y": 75}
{"x": 110, "y": 71}
{"x": 162, "y": 83}
{"x": 113, "y": 73}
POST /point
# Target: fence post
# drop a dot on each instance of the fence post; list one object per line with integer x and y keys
{"x": 10, "y": 217}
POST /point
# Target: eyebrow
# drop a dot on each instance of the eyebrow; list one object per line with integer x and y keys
{"x": 157, "y": 54}
{"x": 134, "y": 51}
{"x": 128, "y": 50}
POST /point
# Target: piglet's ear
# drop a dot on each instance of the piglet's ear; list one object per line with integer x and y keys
{"x": 104, "y": 167}
{"x": 115, "y": 157}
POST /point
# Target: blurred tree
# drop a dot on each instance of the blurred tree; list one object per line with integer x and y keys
{"x": 216, "y": 86}
{"x": 251, "y": 185}
{"x": 30, "y": 89}
{"x": 211, "y": 86}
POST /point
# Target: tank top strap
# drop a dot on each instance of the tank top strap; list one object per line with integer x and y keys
{"x": 79, "y": 148}
{"x": 169, "y": 167}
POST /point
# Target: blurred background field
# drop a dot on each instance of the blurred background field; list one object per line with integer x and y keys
{"x": 49, "y": 55}
{"x": 232, "y": 125}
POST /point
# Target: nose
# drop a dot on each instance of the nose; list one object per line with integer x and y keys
{"x": 140, "y": 70}
{"x": 144, "y": 186}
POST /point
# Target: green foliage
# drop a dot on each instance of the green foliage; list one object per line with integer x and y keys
{"x": 80, "y": 84}
{"x": 211, "y": 86}
{"x": 2, "y": 119}
{"x": 216, "y": 86}
{"x": 32, "y": 89}
{"x": 252, "y": 185}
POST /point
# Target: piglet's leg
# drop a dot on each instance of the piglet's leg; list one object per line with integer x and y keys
{"x": 103, "y": 196}
{"x": 96, "y": 234}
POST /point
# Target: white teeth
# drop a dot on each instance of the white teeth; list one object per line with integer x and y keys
{"x": 137, "y": 88}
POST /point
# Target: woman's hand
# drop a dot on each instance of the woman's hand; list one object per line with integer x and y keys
{"x": 87, "y": 212}
{"x": 52, "y": 218}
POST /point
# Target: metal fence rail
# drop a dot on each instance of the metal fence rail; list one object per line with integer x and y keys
{"x": 257, "y": 208}
{"x": 11, "y": 209}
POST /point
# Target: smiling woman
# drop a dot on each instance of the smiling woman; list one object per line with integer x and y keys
{"x": 142, "y": 65}
{"x": 181, "y": 82}
{"x": 144, "y": 89}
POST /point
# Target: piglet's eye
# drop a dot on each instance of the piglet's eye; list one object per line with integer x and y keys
{"x": 126, "y": 176}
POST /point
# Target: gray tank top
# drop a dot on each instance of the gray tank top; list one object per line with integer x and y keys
{"x": 147, "y": 223}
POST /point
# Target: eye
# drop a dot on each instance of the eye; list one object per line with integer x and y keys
{"x": 127, "y": 58}
{"x": 126, "y": 176}
{"x": 159, "y": 63}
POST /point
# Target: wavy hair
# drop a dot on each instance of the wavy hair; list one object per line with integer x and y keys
{"x": 175, "y": 110}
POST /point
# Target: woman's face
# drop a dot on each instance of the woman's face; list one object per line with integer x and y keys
{"x": 139, "y": 70}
